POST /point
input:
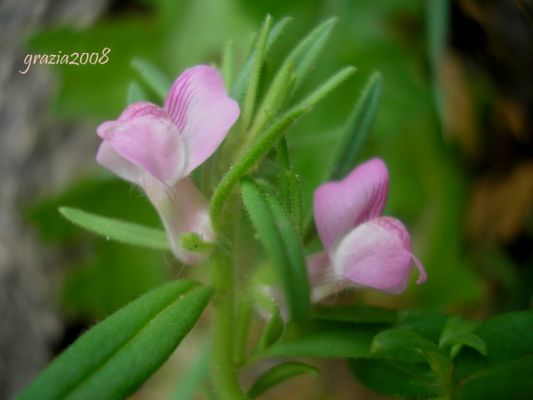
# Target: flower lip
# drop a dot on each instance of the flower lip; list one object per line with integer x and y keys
{"x": 151, "y": 143}
{"x": 376, "y": 254}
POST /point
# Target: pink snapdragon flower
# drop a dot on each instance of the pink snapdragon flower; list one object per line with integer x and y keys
{"x": 362, "y": 248}
{"x": 158, "y": 148}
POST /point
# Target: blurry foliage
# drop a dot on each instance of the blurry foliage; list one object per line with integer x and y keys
{"x": 428, "y": 189}
{"x": 106, "y": 274}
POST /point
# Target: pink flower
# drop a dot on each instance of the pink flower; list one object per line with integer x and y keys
{"x": 362, "y": 248}
{"x": 158, "y": 148}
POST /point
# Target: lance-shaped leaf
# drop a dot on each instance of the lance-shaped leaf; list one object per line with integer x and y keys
{"x": 326, "y": 341}
{"x": 307, "y": 51}
{"x": 255, "y": 74}
{"x": 244, "y": 75}
{"x": 121, "y": 231}
{"x": 152, "y": 76}
{"x": 282, "y": 244}
{"x": 279, "y": 374}
{"x": 227, "y": 68}
{"x": 116, "y": 356}
{"x": 289, "y": 76}
{"x": 271, "y": 136}
{"x": 358, "y": 128}
{"x": 437, "y": 25}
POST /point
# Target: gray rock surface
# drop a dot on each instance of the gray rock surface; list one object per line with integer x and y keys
{"x": 37, "y": 157}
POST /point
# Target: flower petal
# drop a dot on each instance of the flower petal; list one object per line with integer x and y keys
{"x": 109, "y": 158}
{"x": 182, "y": 209}
{"x": 149, "y": 142}
{"x": 340, "y": 206}
{"x": 198, "y": 105}
{"x": 377, "y": 254}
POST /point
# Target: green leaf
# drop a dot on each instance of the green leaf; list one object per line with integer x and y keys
{"x": 325, "y": 342}
{"x": 135, "y": 93}
{"x": 403, "y": 344}
{"x": 275, "y": 98}
{"x": 458, "y": 332}
{"x": 152, "y": 76}
{"x": 277, "y": 375}
{"x": 307, "y": 51}
{"x": 290, "y": 74}
{"x": 273, "y": 329}
{"x": 255, "y": 74}
{"x": 356, "y": 314}
{"x": 437, "y": 16}
{"x": 358, "y": 127}
{"x": 395, "y": 378}
{"x": 507, "y": 369}
{"x": 269, "y": 139}
{"x": 282, "y": 245}
{"x": 290, "y": 188}
{"x": 116, "y": 356}
{"x": 244, "y": 75}
{"x": 425, "y": 323}
{"x": 227, "y": 68}
{"x": 124, "y": 232}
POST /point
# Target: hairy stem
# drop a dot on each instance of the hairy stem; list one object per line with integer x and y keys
{"x": 223, "y": 367}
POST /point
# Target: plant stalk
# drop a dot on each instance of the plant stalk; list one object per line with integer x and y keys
{"x": 223, "y": 371}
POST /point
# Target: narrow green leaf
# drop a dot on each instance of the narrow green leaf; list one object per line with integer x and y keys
{"x": 273, "y": 329}
{"x": 255, "y": 74}
{"x": 270, "y": 137}
{"x": 327, "y": 342}
{"x": 307, "y": 51}
{"x": 152, "y": 76}
{"x": 273, "y": 101}
{"x": 279, "y": 374}
{"x": 290, "y": 188}
{"x": 289, "y": 75}
{"x": 244, "y": 75}
{"x": 121, "y": 231}
{"x": 356, "y": 314}
{"x": 358, "y": 128}
{"x": 135, "y": 93}
{"x": 228, "y": 68}
{"x": 437, "y": 16}
{"x": 282, "y": 245}
{"x": 116, "y": 356}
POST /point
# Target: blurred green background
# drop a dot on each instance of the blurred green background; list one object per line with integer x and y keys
{"x": 452, "y": 127}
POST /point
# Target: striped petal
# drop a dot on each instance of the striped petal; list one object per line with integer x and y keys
{"x": 377, "y": 254}
{"x": 109, "y": 158}
{"x": 146, "y": 138}
{"x": 340, "y": 206}
{"x": 203, "y": 113}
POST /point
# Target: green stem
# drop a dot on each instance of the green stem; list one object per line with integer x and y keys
{"x": 223, "y": 368}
